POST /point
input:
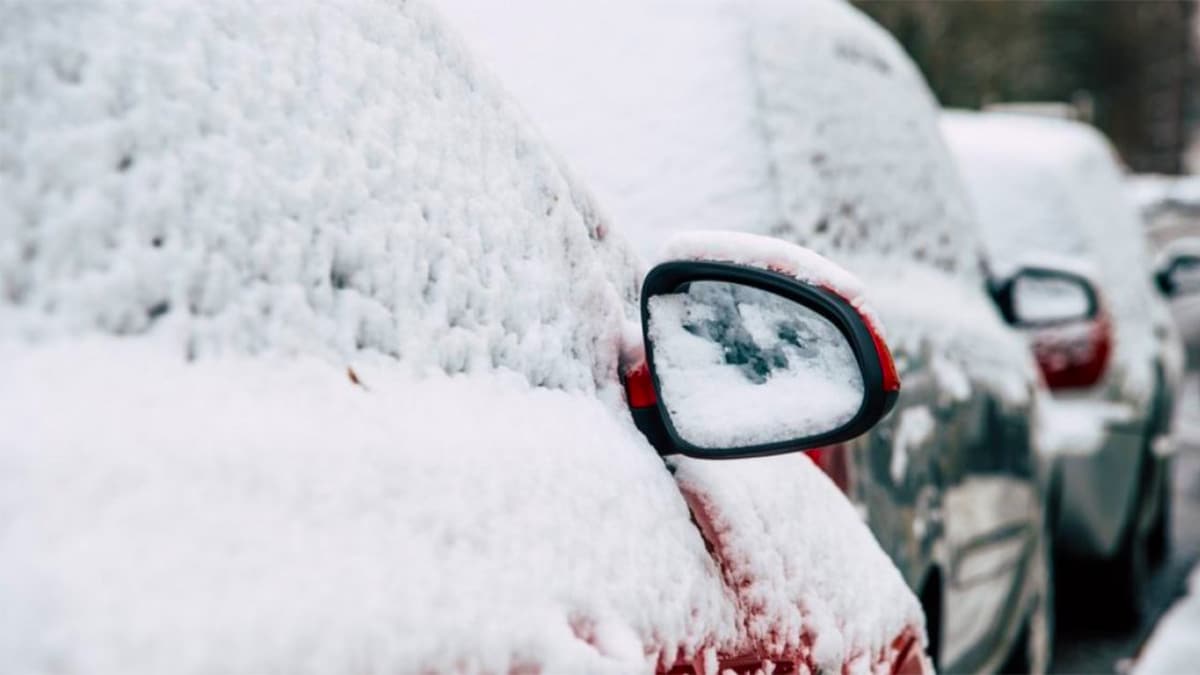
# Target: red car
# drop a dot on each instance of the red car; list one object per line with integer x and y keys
{"x": 317, "y": 361}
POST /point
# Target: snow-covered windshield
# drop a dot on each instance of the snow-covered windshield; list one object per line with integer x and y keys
{"x": 739, "y": 366}
{"x": 1015, "y": 176}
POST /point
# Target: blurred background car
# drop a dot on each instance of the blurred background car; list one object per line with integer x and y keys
{"x": 1056, "y": 219}
{"x": 312, "y": 354}
{"x": 1170, "y": 210}
{"x": 806, "y": 122}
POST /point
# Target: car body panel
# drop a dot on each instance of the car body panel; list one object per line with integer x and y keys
{"x": 969, "y": 503}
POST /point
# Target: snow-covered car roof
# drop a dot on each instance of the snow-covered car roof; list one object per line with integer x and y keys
{"x": 312, "y": 348}
{"x": 799, "y": 119}
{"x": 1025, "y": 175}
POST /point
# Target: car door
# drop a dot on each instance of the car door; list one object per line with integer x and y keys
{"x": 949, "y": 483}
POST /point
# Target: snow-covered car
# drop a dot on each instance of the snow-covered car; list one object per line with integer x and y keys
{"x": 312, "y": 360}
{"x": 1170, "y": 209}
{"x": 1063, "y": 238}
{"x": 807, "y": 122}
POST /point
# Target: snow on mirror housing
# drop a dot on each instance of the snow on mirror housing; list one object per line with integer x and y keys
{"x": 1038, "y": 297}
{"x": 747, "y": 362}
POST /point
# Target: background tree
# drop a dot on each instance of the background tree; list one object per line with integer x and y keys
{"x": 1129, "y": 67}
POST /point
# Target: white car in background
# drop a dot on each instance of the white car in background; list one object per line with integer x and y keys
{"x": 1056, "y": 217}
{"x": 1170, "y": 210}
{"x": 312, "y": 362}
{"x": 807, "y": 122}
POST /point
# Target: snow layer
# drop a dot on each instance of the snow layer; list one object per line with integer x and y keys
{"x": 1055, "y": 185}
{"x": 768, "y": 253}
{"x": 1173, "y": 647}
{"x": 1076, "y": 426}
{"x": 1154, "y": 192}
{"x": 252, "y": 515}
{"x": 314, "y": 184}
{"x": 284, "y": 177}
{"x": 206, "y": 212}
{"x": 790, "y": 572}
{"x": 801, "y": 119}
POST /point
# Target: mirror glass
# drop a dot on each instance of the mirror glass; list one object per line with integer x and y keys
{"x": 1184, "y": 275}
{"x": 1041, "y": 299}
{"x": 738, "y": 366}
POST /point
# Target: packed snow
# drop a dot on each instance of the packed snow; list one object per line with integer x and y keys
{"x": 250, "y": 515}
{"x": 313, "y": 349}
{"x": 739, "y": 367}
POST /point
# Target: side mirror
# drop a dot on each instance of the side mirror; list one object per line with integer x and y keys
{"x": 1178, "y": 274}
{"x": 1038, "y": 297}
{"x": 1070, "y": 337}
{"x": 744, "y": 361}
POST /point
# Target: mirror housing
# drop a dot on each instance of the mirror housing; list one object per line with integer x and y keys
{"x": 879, "y": 380}
{"x": 1178, "y": 270}
{"x": 1043, "y": 297}
{"x": 1070, "y": 335}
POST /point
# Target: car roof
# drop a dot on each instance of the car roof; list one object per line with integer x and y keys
{"x": 1044, "y": 185}
{"x": 411, "y": 211}
{"x": 803, "y": 120}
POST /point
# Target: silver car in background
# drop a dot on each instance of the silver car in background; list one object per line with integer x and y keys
{"x": 1050, "y": 196}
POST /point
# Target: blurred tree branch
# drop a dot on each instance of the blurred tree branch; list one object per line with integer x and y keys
{"x": 1133, "y": 62}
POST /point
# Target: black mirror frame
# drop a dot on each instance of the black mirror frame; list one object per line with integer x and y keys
{"x": 1002, "y": 294}
{"x": 655, "y": 422}
{"x": 1163, "y": 278}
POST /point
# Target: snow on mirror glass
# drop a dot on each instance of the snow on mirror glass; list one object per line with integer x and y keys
{"x": 739, "y": 367}
{"x": 1049, "y": 299}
